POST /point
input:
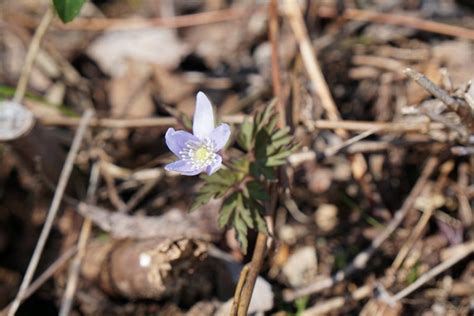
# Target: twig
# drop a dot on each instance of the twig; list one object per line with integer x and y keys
{"x": 461, "y": 254}
{"x": 73, "y": 277}
{"x": 48, "y": 273}
{"x": 31, "y": 54}
{"x": 238, "y": 289}
{"x": 254, "y": 269}
{"x": 360, "y": 261}
{"x": 415, "y": 235}
{"x": 465, "y": 210}
{"x": 238, "y": 13}
{"x": 139, "y": 195}
{"x": 325, "y": 307}
{"x": 126, "y": 123}
{"x": 331, "y": 151}
{"x": 98, "y": 24}
{"x": 463, "y": 111}
{"x": 276, "y": 77}
{"x": 349, "y": 125}
{"x": 429, "y": 86}
{"x": 402, "y": 20}
{"x": 58, "y": 194}
{"x": 308, "y": 55}
{"x": 400, "y": 127}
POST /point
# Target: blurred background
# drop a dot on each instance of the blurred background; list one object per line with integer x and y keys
{"x": 139, "y": 64}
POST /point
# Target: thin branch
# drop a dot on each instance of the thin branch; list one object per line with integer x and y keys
{"x": 127, "y": 123}
{"x": 432, "y": 88}
{"x": 397, "y": 19}
{"x": 73, "y": 277}
{"x": 276, "y": 76}
{"x": 99, "y": 24}
{"x": 360, "y": 261}
{"x": 58, "y": 194}
{"x": 308, "y": 55}
{"x": 238, "y": 289}
{"x": 252, "y": 275}
{"x": 31, "y": 54}
{"x": 465, "y": 251}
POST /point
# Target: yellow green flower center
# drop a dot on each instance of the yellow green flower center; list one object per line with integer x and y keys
{"x": 202, "y": 154}
{"x": 199, "y": 153}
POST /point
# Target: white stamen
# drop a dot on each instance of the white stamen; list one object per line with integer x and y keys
{"x": 199, "y": 154}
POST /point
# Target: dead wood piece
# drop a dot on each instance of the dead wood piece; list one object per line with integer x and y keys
{"x": 201, "y": 224}
{"x": 152, "y": 269}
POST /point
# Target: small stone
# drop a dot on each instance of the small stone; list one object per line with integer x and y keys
{"x": 301, "y": 266}
{"x": 15, "y": 120}
{"x": 326, "y": 217}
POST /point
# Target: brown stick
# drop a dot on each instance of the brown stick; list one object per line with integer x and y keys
{"x": 238, "y": 13}
{"x": 308, "y": 55}
{"x": 33, "y": 49}
{"x": 360, "y": 261}
{"x": 432, "y": 88}
{"x": 98, "y": 24}
{"x": 255, "y": 267}
{"x": 468, "y": 248}
{"x": 73, "y": 277}
{"x": 276, "y": 77}
{"x": 238, "y": 289}
{"x": 402, "y": 20}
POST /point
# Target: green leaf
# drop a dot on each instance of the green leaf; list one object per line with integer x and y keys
{"x": 244, "y": 139}
{"x": 245, "y": 213}
{"x": 257, "y": 211}
{"x": 243, "y": 241}
{"x": 260, "y": 223}
{"x": 258, "y": 169}
{"x": 224, "y": 177}
{"x": 228, "y": 207}
{"x": 272, "y": 122}
{"x": 262, "y": 139}
{"x": 241, "y": 231}
{"x": 201, "y": 199}
{"x": 257, "y": 191}
{"x": 68, "y": 9}
{"x": 242, "y": 167}
{"x": 282, "y": 142}
{"x": 280, "y": 133}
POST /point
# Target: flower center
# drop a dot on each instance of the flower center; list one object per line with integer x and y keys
{"x": 199, "y": 154}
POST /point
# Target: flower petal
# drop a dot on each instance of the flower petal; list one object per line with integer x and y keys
{"x": 176, "y": 140}
{"x": 220, "y": 136}
{"x": 203, "y": 122}
{"x": 183, "y": 167}
{"x": 216, "y": 165}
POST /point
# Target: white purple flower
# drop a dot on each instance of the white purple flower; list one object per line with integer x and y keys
{"x": 197, "y": 152}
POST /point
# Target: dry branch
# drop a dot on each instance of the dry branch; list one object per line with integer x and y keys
{"x": 200, "y": 224}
